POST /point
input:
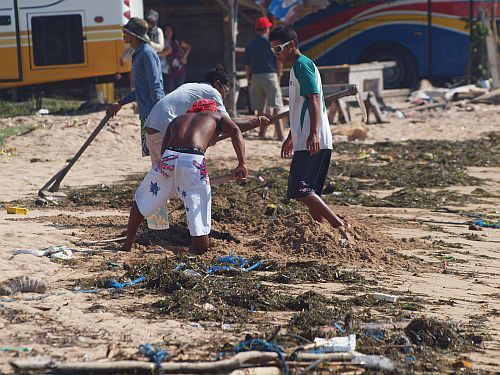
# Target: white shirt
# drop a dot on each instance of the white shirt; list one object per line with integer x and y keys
{"x": 179, "y": 101}
{"x": 305, "y": 79}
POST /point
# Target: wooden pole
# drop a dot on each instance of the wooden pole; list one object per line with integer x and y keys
{"x": 347, "y": 92}
{"x": 138, "y": 367}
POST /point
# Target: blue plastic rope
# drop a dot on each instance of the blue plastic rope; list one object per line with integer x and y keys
{"x": 116, "y": 285}
{"x": 484, "y": 224}
{"x": 262, "y": 346}
{"x": 155, "y": 355}
{"x": 232, "y": 263}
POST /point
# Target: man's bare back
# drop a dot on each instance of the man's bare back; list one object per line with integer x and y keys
{"x": 195, "y": 130}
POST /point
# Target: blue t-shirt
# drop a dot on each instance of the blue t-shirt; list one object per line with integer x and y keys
{"x": 259, "y": 56}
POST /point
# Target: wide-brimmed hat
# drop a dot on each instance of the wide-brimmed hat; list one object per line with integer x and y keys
{"x": 137, "y": 27}
{"x": 262, "y": 23}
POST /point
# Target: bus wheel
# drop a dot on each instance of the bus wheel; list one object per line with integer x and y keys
{"x": 404, "y": 74}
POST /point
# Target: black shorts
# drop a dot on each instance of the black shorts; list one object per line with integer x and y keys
{"x": 308, "y": 173}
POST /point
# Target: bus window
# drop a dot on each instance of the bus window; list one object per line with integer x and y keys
{"x": 57, "y": 40}
{"x": 5, "y": 20}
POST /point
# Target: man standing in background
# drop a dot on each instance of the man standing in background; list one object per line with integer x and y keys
{"x": 146, "y": 71}
{"x": 155, "y": 33}
{"x": 263, "y": 73}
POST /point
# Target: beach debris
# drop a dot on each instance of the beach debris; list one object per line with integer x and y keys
{"x": 335, "y": 344}
{"x": 271, "y": 210}
{"x": 15, "y": 349}
{"x": 112, "y": 283}
{"x": 376, "y": 362}
{"x": 53, "y": 252}
{"x": 475, "y": 227}
{"x": 385, "y": 297}
{"x": 156, "y": 355}
{"x": 17, "y": 210}
{"x": 463, "y": 363}
{"x": 486, "y": 224}
{"x": 42, "y": 111}
{"x": 232, "y": 263}
{"x": 22, "y": 284}
{"x": 11, "y": 151}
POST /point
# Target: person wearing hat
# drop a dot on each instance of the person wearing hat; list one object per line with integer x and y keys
{"x": 263, "y": 73}
{"x": 146, "y": 71}
{"x": 155, "y": 33}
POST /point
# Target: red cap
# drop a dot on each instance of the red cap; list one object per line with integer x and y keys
{"x": 262, "y": 23}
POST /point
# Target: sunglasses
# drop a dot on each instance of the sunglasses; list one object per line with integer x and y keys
{"x": 280, "y": 47}
{"x": 225, "y": 88}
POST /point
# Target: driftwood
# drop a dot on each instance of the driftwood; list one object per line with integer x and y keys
{"x": 492, "y": 97}
{"x": 139, "y": 367}
{"x": 257, "y": 371}
{"x": 326, "y": 357}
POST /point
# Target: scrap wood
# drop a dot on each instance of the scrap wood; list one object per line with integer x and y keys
{"x": 492, "y": 97}
{"x": 326, "y": 357}
{"x": 257, "y": 371}
{"x": 96, "y": 242}
{"x": 140, "y": 367}
{"x": 426, "y": 106}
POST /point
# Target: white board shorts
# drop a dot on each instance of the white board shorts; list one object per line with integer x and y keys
{"x": 186, "y": 175}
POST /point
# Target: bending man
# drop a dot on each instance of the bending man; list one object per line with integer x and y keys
{"x": 182, "y": 170}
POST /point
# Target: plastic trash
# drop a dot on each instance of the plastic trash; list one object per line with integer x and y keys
{"x": 225, "y": 326}
{"x": 53, "y": 252}
{"x": 17, "y": 210}
{"x": 487, "y": 224}
{"x": 375, "y": 362}
{"x": 385, "y": 297}
{"x": 112, "y": 283}
{"x": 335, "y": 344}
{"x": 37, "y": 253}
{"x": 42, "y": 111}
{"x": 192, "y": 273}
{"x": 155, "y": 355}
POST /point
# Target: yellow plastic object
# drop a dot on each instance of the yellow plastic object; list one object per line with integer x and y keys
{"x": 17, "y": 210}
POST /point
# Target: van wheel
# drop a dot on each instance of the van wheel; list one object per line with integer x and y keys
{"x": 404, "y": 74}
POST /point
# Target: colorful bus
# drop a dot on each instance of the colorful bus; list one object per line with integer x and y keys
{"x": 44, "y": 41}
{"x": 426, "y": 38}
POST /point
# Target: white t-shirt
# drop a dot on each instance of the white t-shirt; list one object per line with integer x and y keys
{"x": 179, "y": 101}
{"x": 305, "y": 79}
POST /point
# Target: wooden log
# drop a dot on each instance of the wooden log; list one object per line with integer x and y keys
{"x": 257, "y": 371}
{"x": 133, "y": 367}
{"x": 327, "y": 357}
{"x": 226, "y": 365}
{"x": 140, "y": 367}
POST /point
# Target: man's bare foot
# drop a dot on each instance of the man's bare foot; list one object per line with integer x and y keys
{"x": 126, "y": 247}
{"x": 197, "y": 251}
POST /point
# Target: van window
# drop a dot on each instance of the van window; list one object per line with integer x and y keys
{"x": 57, "y": 40}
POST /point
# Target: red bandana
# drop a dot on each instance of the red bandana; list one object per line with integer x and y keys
{"x": 203, "y": 105}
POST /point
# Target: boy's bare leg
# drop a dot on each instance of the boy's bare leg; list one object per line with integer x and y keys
{"x": 199, "y": 244}
{"x": 278, "y": 126}
{"x": 134, "y": 220}
{"x": 262, "y": 129}
{"x": 321, "y": 212}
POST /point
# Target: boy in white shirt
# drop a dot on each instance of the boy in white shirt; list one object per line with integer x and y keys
{"x": 310, "y": 137}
